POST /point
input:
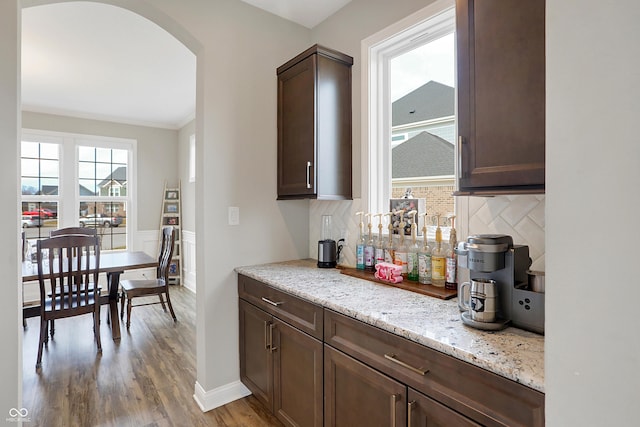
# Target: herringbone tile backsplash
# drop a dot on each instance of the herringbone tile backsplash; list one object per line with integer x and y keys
{"x": 521, "y": 217}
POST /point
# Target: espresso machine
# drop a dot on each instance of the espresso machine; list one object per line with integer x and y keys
{"x": 495, "y": 257}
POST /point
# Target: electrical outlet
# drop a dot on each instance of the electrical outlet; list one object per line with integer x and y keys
{"x": 234, "y": 215}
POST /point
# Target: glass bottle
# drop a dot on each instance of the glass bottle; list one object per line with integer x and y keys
{"x": 360, "y": 244}
{"x": 413, "y": 249}
{"x": 438, "y": 259}
{"x": 424, "y": 257}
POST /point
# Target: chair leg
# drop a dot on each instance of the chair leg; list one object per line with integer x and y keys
{"x": 164, "y": 307}
{"x": 122, "y": 302}
{"x": 96, "y": 326}
{"x": 53, "y": 328}
{"x": 43, "y": 336}
{"x": 171, "y": 308}
{"x": 128, "y": 312}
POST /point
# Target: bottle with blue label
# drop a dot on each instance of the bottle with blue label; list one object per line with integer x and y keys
{"x": 360, "y": 244}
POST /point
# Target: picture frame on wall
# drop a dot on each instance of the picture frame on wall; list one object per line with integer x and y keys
{"x": 171, "y": 208}
{"x": 171, "y": 195}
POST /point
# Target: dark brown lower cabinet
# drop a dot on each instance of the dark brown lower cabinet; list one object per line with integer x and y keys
{"x": 282, "y": 367}
{"x": 356, "y": 395}
{"x": 256, "y": 359}
{"x": 426, "y": 412}
{"x": 312, "y": 367}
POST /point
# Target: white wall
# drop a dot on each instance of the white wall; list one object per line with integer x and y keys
{"x": 10, "y": 303}
{"x": 592, "y": 345}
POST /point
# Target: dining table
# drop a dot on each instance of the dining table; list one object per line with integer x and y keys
{"x": 113, "y": 264}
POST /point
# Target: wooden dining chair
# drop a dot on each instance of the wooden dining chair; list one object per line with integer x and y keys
{"x": 68, "y": 276}
{"x": 80, "y": 231}
{"x": 148, "y": 287}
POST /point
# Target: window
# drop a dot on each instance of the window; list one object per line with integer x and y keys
{"x": 410, "y": 129}
{"x": 102, "y": 193}
{"x": 69, "y": 180}
{"x": 39, "y": 182}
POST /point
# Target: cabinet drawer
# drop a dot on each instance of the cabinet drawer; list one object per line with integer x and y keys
{"x": 487, "y": 398}
{"x": 297, "y": 312}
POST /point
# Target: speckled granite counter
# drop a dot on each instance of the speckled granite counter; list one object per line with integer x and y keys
{"x": 512, "y": 353}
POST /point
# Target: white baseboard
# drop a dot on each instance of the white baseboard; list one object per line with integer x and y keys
{"x": 208, "y": 400}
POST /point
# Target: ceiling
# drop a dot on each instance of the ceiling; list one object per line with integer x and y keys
{"x": 91, "y": 60}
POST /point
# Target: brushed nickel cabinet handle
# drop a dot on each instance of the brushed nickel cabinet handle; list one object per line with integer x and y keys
{"x": 392, "y": 357}
{"x": 266, "y": 335}
{"x": 271, "y": 347}
{"x": 308, "y": 174}
{"x": 410, "y": 415}
{"x": 275, "y": 304}
{"x": 460, "y": 140}
{"x": 394, "y": 400}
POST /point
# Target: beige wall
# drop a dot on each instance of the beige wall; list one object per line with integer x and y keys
{"x": 188, "y": 188}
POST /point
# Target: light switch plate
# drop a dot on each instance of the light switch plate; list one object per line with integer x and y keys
{"x": 234, "y": 215}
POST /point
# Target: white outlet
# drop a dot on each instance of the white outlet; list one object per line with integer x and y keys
{"x": 234, "y": 215}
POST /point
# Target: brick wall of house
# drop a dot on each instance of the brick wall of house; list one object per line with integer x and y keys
{"x": 439, "y": 198}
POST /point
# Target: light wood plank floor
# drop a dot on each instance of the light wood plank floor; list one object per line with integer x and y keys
{"x": 146, "y": 379}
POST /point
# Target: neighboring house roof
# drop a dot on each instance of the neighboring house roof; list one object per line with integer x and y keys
{"x": 423, "y": 155}
{"x": 84, "y": 191}
{"x": 430, "y": 101}
{"x": 119, "y": 175}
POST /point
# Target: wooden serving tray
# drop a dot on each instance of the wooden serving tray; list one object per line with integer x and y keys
{"x": 430, "y": 290}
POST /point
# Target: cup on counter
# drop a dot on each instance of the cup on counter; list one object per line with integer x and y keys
{"x": 536, "y": 281}
{"x": 480, "y": 300}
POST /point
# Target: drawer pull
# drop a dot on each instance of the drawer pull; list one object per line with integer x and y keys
{"x": 266, "y": 335}
{"x": 271, "y": 347}
{"x": 275, "y": 304}
{"x": 394, "y": 399}
{"x": 392, "y": 357}
{"x": 410, "y": 414}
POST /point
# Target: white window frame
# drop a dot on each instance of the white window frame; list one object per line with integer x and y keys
{"x": 48, "y": 139}
{"x": 377, "y": 50}
{"x": 68, "y": 196}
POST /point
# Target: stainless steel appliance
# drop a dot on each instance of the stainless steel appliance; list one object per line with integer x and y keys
{"x": 495, "y": 257}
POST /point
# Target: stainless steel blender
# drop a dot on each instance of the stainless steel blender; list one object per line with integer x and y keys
{"x": 328, "y": 249}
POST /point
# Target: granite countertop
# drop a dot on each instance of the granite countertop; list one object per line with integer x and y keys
{"x": 512, "y": 353}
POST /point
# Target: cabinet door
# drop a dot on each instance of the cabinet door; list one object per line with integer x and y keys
{"x": 356, "y": 395}
{"x": 501, "y": 94}
{"x": 296, "y": 129}
{"x": 426, "y": 412}
{"x": 297, "y": 371}
{"x": 255, "y": 356}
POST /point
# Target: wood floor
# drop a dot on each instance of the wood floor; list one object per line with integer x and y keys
{"x": 145, "y": 379}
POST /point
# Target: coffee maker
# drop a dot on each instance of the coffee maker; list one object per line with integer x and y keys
{"x": 495, "y": 257}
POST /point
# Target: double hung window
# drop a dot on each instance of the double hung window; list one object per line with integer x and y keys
{"x": 70, "y": 180}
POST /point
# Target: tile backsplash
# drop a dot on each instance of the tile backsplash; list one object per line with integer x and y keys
{"x": 520, "y": 216}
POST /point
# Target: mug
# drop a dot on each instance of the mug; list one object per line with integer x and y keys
{"x": 481, "y": 300}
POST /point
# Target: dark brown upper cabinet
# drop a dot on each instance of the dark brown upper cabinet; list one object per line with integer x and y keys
{"x": 501, "y": 96}
{"x": 314, "y": 126}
